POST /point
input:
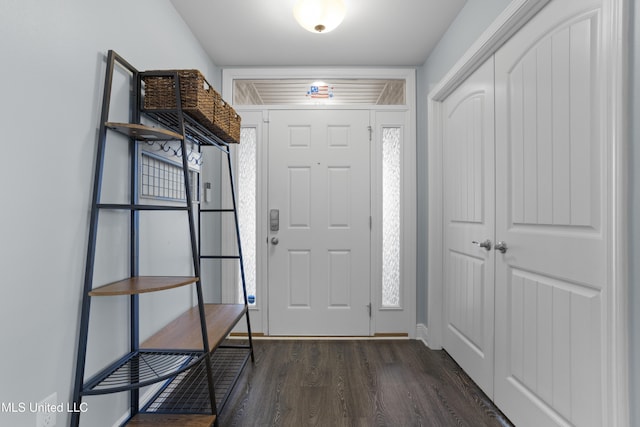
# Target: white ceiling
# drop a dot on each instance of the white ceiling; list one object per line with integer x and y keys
{"x": 264, "y": 32}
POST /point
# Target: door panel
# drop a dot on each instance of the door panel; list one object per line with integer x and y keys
{"x": 549, "y": 202}
{"x": 319, "y": 180}
{"x": 469, "y": 216}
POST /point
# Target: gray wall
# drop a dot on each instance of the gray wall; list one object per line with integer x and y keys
{"x": 53, "y": 61}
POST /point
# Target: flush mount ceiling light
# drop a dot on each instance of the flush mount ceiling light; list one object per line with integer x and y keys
{"x": 319, "y": 16}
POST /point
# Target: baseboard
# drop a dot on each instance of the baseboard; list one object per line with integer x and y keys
{"x": 146, "y": 398}
{"x": 246, "y": 335}
{"x": 421, "y": 333}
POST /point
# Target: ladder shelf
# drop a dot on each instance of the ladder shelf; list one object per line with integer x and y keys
{"x": 184, "y": 356}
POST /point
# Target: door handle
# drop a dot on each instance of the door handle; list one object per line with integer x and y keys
{"x": 274, "y": 241}
{"x": 486, "y": 244}
{"x": 501, "y": 246}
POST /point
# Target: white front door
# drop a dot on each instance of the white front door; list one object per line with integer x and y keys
{"x": 468, "y": 136}
{"x": 551, "y": 205}
{"x": 319, "y": 192}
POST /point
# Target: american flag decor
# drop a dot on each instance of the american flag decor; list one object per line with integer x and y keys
{"x": 320, "y": 92}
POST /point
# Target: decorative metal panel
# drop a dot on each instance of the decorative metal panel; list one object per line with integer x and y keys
{"x": 161, "y": 178}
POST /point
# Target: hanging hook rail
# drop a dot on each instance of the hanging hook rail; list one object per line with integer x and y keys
{"x": 193, "y": 156}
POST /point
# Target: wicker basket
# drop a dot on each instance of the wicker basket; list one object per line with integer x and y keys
{"x": 221, "y": 117}
{"x": 199, "y": 100}
{"x": 197, "y": 96}
{"x": 234, "y": 126}
{"x": 228, "y": 121}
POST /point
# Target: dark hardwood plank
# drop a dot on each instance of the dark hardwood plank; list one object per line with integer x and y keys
{"x": 356, "y": 383}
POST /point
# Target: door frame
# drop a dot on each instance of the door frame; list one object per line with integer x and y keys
{"x": 614, "y": 58}
{"x": 259, "y": 312}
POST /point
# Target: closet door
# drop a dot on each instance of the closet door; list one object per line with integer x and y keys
{"x": 550, "y": 212}
{"x": 468, "y": 136}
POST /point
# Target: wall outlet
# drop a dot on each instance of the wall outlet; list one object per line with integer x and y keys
{"x": 46, "y": 411}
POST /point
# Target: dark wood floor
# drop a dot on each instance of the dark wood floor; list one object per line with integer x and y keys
{"x": 355, "y": 383}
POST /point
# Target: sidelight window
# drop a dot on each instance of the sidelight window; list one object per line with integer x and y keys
{"x": 247, "y": 220}
{"x": 391, "y": 216}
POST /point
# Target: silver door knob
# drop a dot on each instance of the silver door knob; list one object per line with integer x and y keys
{"x": 486, "y": 244}
{"x": 501, "y": 246}
{"x": 274, "y": 241}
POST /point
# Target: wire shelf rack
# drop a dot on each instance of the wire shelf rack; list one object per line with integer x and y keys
{"x": 142, "y": 368}
{"x": 189, "y": 393}
{"x": 194, "y": 131}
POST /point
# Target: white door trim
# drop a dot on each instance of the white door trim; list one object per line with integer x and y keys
{"x": 614, "y": 60}
{"x": 229, "y": 272}
{"x": 409, "y": 196}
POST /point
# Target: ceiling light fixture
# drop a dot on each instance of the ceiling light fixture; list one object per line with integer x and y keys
{"x": 319, "y": 16}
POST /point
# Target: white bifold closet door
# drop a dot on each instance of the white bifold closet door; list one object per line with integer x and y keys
{"x": 527, "y": 323}
{"x": 469, "y": 216}
{"x": 550, "y": 209}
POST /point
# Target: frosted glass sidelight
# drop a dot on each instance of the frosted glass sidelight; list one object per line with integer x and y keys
{"x": 246, "y": 194}
{"x": 391, "y": 217}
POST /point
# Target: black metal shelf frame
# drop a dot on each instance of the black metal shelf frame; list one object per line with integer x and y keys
{"x": 139, "y": 368}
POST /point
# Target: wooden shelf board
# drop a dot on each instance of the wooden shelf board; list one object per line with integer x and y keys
{"x": 142, "y": 284}
{"x": 173, "y": 420}
{"x": 185, "y": 333}
{"x": 144, "y": 133}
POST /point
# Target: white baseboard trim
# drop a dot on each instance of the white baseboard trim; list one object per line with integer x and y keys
{"x": 143, "y": 401}
{"x": 121, "y": 420}
{"x": 421, "y": 333}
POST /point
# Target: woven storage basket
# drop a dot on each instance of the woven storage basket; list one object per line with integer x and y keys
{"x": 221, "y": 117}
{"x": 197, "y": 96}
{"x": 220, "y": 121}
{"x": 228, "y": 121}
{"x": 234, "y": 126}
